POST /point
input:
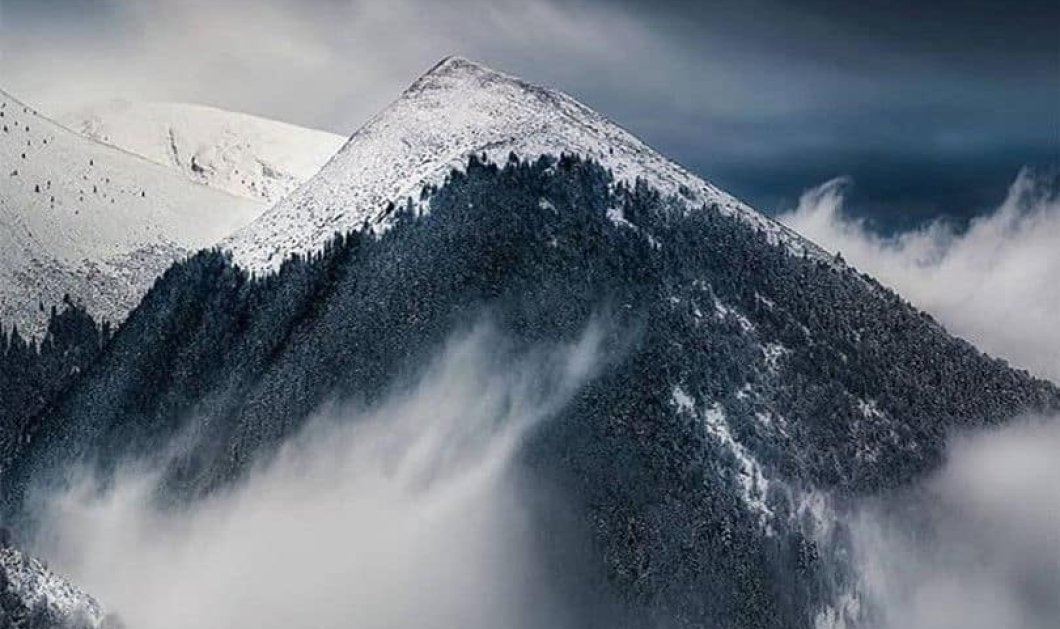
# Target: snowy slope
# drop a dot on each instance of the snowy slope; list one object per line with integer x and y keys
{"x": 460, "y": 108}
{"x": 29, "y": 587}
{"x": 87, "y": 219}
{"x": 241, "y": 154}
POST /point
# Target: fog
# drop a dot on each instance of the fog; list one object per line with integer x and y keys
{"x": 975, "y": 546}
{"x": 409, "y": 514}
{"x": 994, "y": 284}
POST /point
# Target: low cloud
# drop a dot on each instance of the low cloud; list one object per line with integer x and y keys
{"x": 408, "y": 515}
{"x": 994, "y": 283}
{"x": 975, "y": 546}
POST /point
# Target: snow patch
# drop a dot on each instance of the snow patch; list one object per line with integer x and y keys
{"x": 751, "y": 481}
{"x": 722, "y": 311}
{"x": 33, "y": 584}
{"x": 774, "y": 352}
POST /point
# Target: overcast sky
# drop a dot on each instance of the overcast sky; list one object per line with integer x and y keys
{"x": 930, "y": 109}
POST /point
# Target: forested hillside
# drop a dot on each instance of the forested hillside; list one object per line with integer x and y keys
{"x": 33, "y": 372}
{"x": 740, "y": 379}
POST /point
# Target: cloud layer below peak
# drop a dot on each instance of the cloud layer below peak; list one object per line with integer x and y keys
{"x": 993, "y": 283}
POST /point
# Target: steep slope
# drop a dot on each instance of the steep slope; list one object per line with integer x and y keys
{"x": 33, "y": 373}
{"x": 745, "y": 388}
{"x": 90, "y": 220}
{"x": 33, "y": 597}
{"x": 457, "y": 109}
{"x": 243, "y": 155}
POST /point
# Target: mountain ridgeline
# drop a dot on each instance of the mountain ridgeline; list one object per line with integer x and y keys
{"x": 740, "y": 379}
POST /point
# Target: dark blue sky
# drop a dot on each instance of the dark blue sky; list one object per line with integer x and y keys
{"x": 932, "y": 108}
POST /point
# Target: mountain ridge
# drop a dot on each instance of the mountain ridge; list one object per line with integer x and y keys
{"x": 242, "y": 154}
{"x": 458, "y": 108}
{"x": 92, "y": 221}
{"x": 753, "y": 386}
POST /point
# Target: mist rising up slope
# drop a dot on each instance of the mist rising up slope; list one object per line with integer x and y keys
{"x": 741, "y": 389}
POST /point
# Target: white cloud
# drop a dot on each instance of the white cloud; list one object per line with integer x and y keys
{"x": 410, "y": 515}
{"x": 995, "y": 284}
{"x": 975, "y": 546}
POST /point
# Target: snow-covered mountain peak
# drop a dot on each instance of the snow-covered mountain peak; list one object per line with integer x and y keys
{"x": 454, "y": 70}
{"x": 458, "y": 108}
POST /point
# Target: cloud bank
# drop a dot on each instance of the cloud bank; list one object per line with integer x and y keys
{"x": 408, "y": 515}
{"x": 977, "y": 545}
{"x": 994, "y": 283}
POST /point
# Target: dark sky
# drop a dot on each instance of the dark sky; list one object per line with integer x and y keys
{"x": 931, "y": 107}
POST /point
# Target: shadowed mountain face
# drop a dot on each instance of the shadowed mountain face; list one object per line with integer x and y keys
{"x": 741, "y": 387}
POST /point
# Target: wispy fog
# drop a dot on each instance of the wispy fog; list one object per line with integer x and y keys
{"x": 994, "y": 284}
{"x": 407, "y": 515}
{"x": 977, "y": 545}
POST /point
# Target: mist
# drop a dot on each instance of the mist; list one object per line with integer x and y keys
{"x": 993, "y": 283}
{"x": 408, "y": 514}
{"x": 976, "y": 545}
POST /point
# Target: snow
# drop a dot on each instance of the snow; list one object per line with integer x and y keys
{"x": 844, "y": 613}
{"x": 751, "y": 481}
{"x": 616, "y": 216}
{"x": 87, "y": 219}
{"x": 683, "y": 401}
{"x": 774, "y": 352}
{"x": 869, "y": 409}
{"x": 722, "y": 311}
{"x": 34, "y": 584}
{"x": 243, "y": 155}
{"x": 457, "y": 109}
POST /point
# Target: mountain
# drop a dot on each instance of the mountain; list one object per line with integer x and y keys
{"x": 81, "y": 218}
{"x": 241, "y": 154}
{"x": 744, "y": 388}
{"x": 457, "y": 109}
{"x": 747, "y": 389}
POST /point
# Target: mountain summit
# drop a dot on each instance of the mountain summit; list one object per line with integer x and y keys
{"x": 459, "y": 108}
